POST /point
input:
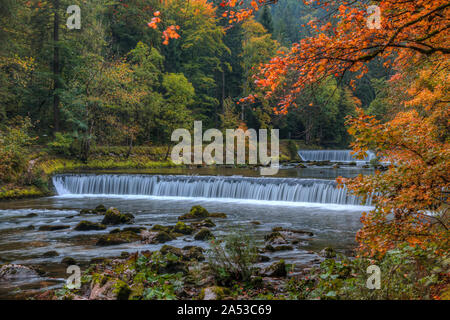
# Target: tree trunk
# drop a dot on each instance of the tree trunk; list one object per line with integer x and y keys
{"x": 56, "y": 67}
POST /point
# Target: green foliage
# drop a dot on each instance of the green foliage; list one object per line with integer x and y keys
{"x": 14, "y": 150}
{"x": 232, "y": 258}
{"x": 62, "y": 144}
{"x": 406, "y": 273}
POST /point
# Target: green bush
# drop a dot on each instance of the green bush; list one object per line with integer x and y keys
{"x": 62, "y": 145}
{"x": 406, "y": 273}
{"x": 232, "y": 258}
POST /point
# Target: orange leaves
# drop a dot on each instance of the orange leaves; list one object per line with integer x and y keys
{"x": 170, "y": 33}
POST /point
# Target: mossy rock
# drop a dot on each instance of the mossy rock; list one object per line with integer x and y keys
{"x": 206, "y": 223}
{"x": 328, "y": 253}
{"x": 136, "y": 230}
{"x": 114, "y": 217}
{"x": 100, "y": 209}
{"x": 158, "y": 227}
{"x": 165, "y": 249}
{"x": 68, "y": 261}
{"x": 117, "y": 238}
{"x": 87, "y": 211}
{"x": 53, "y": 228}
{"x": 122, "y": 290}
{"x": 196, "y": 212}
{"x": 172, "y": 267}
{"x": 88, "y": 225}
{"x": 277, "y": 269}
{"x": 204, "y": 234}
{"x": 214, "y": 293}
{"x": 279, "y": 248}
{"x": 50, "y": 254}
{"x": 193, "y": 253}
{"x": 218, "y": 215}
{"x": 183, "y": 228}
{"x": 175, "y": 235}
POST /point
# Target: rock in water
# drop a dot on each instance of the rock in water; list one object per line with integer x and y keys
{"x": 88, "y": 225}
{"x": 16, "y": 272}
{"x": 114, "y": 217}
{"x": 204, "y": 234}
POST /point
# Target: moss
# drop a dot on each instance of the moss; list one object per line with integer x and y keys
{"x": 14, "y": 192}
{"x": 183, "y": 228}
{"x": 196, "y": 212}
{"x": 53, "y": 228}
{"x": 218, "y": 215}
{"x": 158, "y": 227}
{"x": 117, "y": 238}
{"x": 204, "y": 234}
{"x": 113, "y": 217}
{"x": 122, "y": 290}
{"x": 165, "y": 249}
{"x": 85, "y": 225}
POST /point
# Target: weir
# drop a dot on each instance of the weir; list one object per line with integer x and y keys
{"x": 231, "y": 187}
{"x": 333, "y": 155}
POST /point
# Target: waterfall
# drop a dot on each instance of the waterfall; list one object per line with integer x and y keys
{"x": 332, "y": 155}
{"x": 231, "y": 187}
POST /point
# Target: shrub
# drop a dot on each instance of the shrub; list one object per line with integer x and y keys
{"x": 232, "y": 258}
{"x": 62, "y": 145}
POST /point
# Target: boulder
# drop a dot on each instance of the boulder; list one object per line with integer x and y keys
{"x": 117, "y": 238}
{"x": 68, "y": 261}
{"x": 183, "y": 228}
{"x": 277, "y": 269}
{"x": 165, "y": 249}
{"x": 114, "y": 217}
{"x": 50, "y": 254}
{"x": 155, "y": 237}
{"x": 197, "y": 212}
{"x": 206, "y": 223}
{"x": 100, "y": 209}
{"x": 218, "y": 215}
{"x": 204, "y": 234}
{"x": 328, "y": 253}
{"x": 53, "y": 227}
{"x": 193, "y": 253}
{"x": 88, "y": 225}
{"x": 16, "y": 272}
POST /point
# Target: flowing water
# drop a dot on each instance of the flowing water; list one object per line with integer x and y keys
{"x": 333, "y": 156}
{"x": 293, "y": 200}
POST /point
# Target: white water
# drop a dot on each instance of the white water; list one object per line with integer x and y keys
{"x": 287, "y": 190}
{"x": 332, "y": 155}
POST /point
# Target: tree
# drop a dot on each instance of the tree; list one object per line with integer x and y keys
{"x": 266, "y": 19}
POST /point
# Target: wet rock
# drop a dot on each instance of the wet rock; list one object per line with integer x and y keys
{"x": 284, "y": 230}
{"x": 206, "y": 223}
{"x": 88, "y": 225}
{"x": 158, "y": 227}
{"x": 31, "y": 215}
{"x": 173, "y": 267}
{"x": 328, "y": 253}
{"x": 197, "y": 212}
{"x": 117, "y": 238}
{"x": 218, "y": 215}
{"x": 284, "y": 247}
{"x": 16, "y": 272}
{"x": 68, "y": 261}
{"x": 114, "y": 217}
{"x": 100, "y": 209}
{"x": 193, "y": 253}
{"x": 87, "y": 211}
{"x": 183, "y": 228}
{"x": 53, "y": 227}
{"x": 204, "y": 234}
{"x": 275, "y": 238}
{"x": 50, "y": 254}
{"x": 300, "y": 166}
{"x": 155, "y": 237}
{"x": 277, "y": 269}
{"x": 165, "y": 249}
{"x": 263, "y": 258}
{"x": 256, "y": 223}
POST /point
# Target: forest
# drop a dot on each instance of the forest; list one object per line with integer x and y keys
{"x": 104, "y": 96}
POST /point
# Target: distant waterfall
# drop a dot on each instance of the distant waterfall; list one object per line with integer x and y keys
{"x": 234, "y": 187}
{"x": 332, "y": 155}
